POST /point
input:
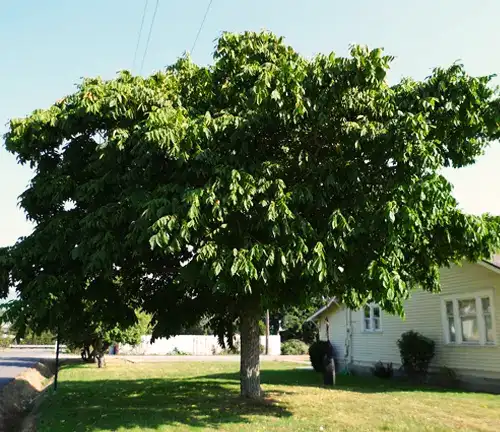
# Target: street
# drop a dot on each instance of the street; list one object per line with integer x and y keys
{"x": 15, "y": 362}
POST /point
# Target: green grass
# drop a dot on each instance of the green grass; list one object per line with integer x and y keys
{"x": 204, "y": 397}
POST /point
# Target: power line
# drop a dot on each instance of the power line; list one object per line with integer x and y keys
{"x": 201, "y": 26}
{"x": 149, "y": 34}
{"x": 140, "y": 33}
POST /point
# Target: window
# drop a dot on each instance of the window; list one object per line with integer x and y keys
{"x": 450, "y": 320}
{"x": 488, "y": 320}
{"x": 468, "y": 319}
{"x": 371, "y": 318}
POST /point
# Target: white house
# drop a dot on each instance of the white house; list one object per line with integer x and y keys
{"x": 461, "y": 320}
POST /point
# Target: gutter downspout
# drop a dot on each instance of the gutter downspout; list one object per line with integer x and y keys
{"x": 347, "y": 344}
{"x": 350, "y": 337}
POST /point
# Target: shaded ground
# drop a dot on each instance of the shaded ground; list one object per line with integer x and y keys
{"x": 181, "y": 396}
{"x": 209, "y": 359}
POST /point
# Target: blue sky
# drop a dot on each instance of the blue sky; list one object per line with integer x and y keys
{"x": 46, "y": 47}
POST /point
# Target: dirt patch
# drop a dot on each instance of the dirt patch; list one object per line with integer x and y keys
{"x": 17, "y": 397}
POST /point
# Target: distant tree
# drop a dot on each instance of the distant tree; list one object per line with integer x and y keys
{"x": 202, "y": 327}
{"x": 80, "y": 330}
{"x": 255, "y": 183}
{"x": 291, "y": 321}
{"x": 6, "y": 336}
{"x": 30, "y": 338}
{"x": 95, "y": 342}
{"x": 294, "y": 324}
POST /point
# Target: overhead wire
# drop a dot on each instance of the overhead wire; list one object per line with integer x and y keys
{"x": 201, "y": 26}
{"x": 149, "y": 34}
{"x": 140, "y": 33}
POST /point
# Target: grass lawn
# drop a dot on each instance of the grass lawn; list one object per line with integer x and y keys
{"x": 204, "y": 397}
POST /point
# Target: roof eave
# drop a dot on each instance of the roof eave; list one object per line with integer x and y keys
{"x": 323, "y": 309}
{"x": 490, "y": 266}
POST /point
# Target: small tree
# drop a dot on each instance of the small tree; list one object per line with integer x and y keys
{"x": 94, "y": 341}
{"x": 83, "y": 329}
{"x": 416, "y": 352}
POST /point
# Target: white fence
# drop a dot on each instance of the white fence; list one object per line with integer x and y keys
{"x": 190, "y": 344}
{"x": 62, "y": 348}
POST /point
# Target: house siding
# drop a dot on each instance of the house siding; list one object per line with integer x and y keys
{"x": 423, "y": 314}
{"x": 337, "y": 333}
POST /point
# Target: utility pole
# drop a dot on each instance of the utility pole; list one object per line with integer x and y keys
{"x": 267, "y": 332}
{"x": 57, "y": 362}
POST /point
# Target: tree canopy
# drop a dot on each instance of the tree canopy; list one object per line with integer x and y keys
{"x": 256, "y": 182}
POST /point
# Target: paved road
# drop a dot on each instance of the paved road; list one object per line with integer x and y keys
{"x": 15, "y": 362}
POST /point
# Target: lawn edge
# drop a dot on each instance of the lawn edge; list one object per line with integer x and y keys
{"x": 19, "y": 394}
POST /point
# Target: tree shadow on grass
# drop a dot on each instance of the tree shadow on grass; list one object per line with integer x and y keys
{"x": 208, "y": 401}
{"x": 353, "y": 383}
{"x": 291, "y": 377}
{"x": 150, "y": 403}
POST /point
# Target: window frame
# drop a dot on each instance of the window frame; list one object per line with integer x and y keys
{"x": 372, "y": 318}
{"x": 477, "y": 296}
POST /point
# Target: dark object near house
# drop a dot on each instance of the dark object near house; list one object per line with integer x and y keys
{"x": 322, "y": 356}
{"x": 380, "y": 370}
{"x": 317, "y": 352}
{"x": 329, "y": 365}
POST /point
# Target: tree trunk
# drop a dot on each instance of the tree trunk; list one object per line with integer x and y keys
{"x": 86, "y": 354}
{"x": 100, "y": 349}
{"x": 250, "y": 351}
{"x": 100, "y": 360}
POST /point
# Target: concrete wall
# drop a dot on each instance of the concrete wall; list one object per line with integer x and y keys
{"x": 190, "y": 344}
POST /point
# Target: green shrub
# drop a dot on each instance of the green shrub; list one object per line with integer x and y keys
{"x": 417, "y": 352}
{"x": 262, "y": 328}
{"x": 294, "y": 347}
{"x": 5, "y": 342}
{"x": 31, "y": 338}
{"x": 235, "y": 349}
{"x": 448, "y": 374}
{"x": 380, "y": 370}
{"x": 177, "y": 351}
{"x": 317, "y": 352}
{"x": 445, "y": 377}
